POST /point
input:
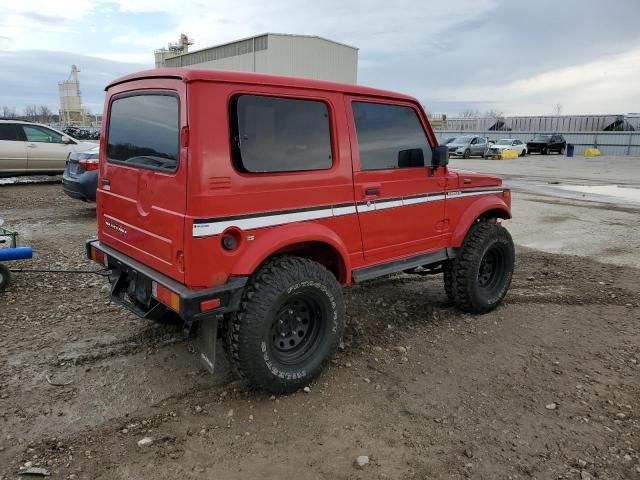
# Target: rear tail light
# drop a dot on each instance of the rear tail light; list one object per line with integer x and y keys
{"x": 99, "y": 257}
{"x": 89, "y": 164}
{"x": 165, "y": 296}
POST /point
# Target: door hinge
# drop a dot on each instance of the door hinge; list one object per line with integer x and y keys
{"x": 184, "y": 137}
{"x": 180, "y": 261}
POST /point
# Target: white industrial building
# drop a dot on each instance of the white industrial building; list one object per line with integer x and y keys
{"x": 545, "y": 123}
{"x": 274, "y": 53}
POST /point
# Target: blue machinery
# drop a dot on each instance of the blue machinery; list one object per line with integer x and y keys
{"x": 12, "y": 252}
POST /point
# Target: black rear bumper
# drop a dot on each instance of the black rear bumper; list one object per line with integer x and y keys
{"x": 132, "y": 288}
{"x": 82, "y": 187}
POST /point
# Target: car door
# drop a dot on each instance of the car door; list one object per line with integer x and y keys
{"x": 141, "y": 198}
{"x": 480, "y": 146}
{"x": 517, "y": 146}
{"x": 13, "y": 150}
{"x": 400, "y": 200}
{"x": 45, "y": 150}
{"x": 562, "y": 143}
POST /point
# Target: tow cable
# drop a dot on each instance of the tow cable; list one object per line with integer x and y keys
{"x": 103, "y": 272}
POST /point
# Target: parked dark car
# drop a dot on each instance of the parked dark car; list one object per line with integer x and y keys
{"x": 546, "y": 144}
{"x": 80, "y": 177}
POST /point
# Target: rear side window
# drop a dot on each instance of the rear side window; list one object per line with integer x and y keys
{"x": 271, "y": 134}
{"x": 390, "y": 136}
{"x": 144, "y": 131}
{"x": 11, "y": 131}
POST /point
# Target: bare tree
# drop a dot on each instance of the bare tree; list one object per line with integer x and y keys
{"x": 470, "y": 113}
{"x": 8, "y": 112}
{"x": 557, "y": 109}
{"x": 44, "y": 114}
{"x": 31, "y": 113}
{"x": 494, "y": 114}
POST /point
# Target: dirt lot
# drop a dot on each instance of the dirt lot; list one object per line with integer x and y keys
{"x": 547, "y": 386}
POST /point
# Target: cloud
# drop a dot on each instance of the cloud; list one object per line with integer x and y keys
{"x": 40, "y": 72}
{"x": 601, "y": 86}
{"x": 514, "y": 56}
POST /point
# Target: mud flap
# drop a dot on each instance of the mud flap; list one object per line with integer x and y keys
{"x": 206, "y": 342}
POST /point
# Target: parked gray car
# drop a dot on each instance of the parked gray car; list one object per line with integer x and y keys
{"x": 468, "y": 145}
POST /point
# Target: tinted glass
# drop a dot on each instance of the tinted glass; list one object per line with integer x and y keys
{"x": 280, "y": 135}
{"x": 41, "y": 135}
{"x": 144, "y": 131}
{"x": 10, "y": 131}
{"x": 390, "y": 136}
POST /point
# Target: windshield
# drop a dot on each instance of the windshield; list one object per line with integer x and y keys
{"x": 541, "y": 138}
{"x": 504, "y": 141}
{"x": 462, "y": 140}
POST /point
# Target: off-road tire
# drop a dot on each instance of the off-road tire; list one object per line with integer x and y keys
{"x": 449, "y": 288}
{"x": 478, "y": 278}
{"x": 286, "y": 296}
{"x": 5, "y": 277}
{"x": 467, "y": 153}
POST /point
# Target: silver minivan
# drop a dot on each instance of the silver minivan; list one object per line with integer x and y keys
{"x": 33, "y": 148}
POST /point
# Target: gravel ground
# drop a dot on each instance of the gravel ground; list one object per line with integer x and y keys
{"x": 546, "y": 386}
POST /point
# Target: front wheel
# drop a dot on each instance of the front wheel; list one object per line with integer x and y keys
{"x": 467, "y": 153}
{"x": 478, "y": 278}
{"x": 289, "y": 325}
{"x": 5, "y": 277}
{"x": 545, "y": 151}
{"x": 561, "y": 151}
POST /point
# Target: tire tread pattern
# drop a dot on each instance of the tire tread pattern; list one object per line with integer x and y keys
{"x": 274, "y": 276}
{"x": 460, "y": 273}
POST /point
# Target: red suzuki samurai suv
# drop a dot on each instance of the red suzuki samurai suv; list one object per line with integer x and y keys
{"x": 244, "y": 202}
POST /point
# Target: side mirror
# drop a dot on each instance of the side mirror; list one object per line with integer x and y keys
{"x": 440, "y": 157}
{"x": 66, "y": 140}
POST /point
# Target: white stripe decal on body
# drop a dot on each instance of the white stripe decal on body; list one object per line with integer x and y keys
{"x": 261, "y": 221}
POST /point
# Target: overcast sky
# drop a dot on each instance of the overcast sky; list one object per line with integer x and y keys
{"x": 513, "y": 56}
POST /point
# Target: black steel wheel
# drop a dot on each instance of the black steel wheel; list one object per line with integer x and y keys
{"x": 5, "y": 277}
{"x": 297, "y": 326}
{"x": 289, "y": 325}
{"x": 478, "y": 278}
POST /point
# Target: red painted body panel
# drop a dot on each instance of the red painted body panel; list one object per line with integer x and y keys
{"x": 162, "y": 212}
{"x": 141, "y": 213}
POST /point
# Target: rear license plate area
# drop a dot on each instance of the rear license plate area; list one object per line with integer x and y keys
{"x": 132, "y": 289}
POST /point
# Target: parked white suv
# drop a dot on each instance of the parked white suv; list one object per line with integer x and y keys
{"x": 33, "y": 148}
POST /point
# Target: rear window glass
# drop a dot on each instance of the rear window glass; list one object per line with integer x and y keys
{"x": 144, "y": 131}
{"x": 271, "y": 134}
{"x": 10, "y": 131}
